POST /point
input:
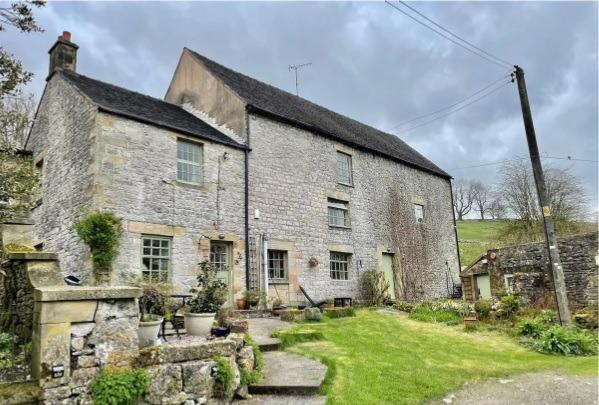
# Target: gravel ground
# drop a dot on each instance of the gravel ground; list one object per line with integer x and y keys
{"x": 534, "y": 388}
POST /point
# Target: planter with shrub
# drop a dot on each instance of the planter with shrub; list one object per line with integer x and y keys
{"x": 211, "y": 294}
{"x": 339, "y": 312}
{"x": 153, "y": 307}
{"x": 252, "y": 297}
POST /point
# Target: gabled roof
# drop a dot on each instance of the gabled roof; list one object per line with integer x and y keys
{"x": 279, "y": 104}
{"x": 150, "y": 110}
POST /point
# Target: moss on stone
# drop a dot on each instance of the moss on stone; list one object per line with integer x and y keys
{"x": 19, "y": 393}
{"x": 17, "y": 248}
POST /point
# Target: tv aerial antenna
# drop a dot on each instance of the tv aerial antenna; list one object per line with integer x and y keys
{"x": 295, "y": 68}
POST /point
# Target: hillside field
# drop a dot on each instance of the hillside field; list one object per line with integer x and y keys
{"x": 476, "y": 237}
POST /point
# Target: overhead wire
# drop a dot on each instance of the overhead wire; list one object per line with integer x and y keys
{"x": 477, "y": 53}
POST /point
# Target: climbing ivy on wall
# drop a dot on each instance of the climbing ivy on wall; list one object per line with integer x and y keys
{"x": 101, "y": 231}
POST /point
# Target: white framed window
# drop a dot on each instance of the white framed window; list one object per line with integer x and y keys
{"x": 156, "y": 258}
{"x": 509, "y": 283}
{"x": 419, "y": 212}
{"x": 219, "y": 254}
{"x": 189, "y": 162}
{"x": 277, "y": 265}
{"x": 339, "y": 265}
{"x": 344, "y": 172}
{"x": 338, "y": 213}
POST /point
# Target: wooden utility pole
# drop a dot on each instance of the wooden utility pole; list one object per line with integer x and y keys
{"x": 555, "y": 262}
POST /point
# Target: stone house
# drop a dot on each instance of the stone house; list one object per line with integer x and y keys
{"x": 524, "y": 270}
{"x": 277, "y": 191}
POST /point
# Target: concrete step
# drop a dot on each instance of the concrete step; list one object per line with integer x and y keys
{"x": 289, "y": 374}
{"x": 283, "y": 400}
{"x": 268, "y": 344}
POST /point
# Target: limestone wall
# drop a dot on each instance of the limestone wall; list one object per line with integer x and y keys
{"x": 292, "y": 172}
{"x": 62, "y": 141}
{"x": 137, "y": 166}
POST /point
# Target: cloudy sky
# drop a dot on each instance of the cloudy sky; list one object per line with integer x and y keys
{"x": 369, "y": 62}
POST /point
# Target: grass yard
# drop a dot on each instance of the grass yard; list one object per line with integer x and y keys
{"x": 377, "y": 358}
{"x": 476, "y": 237}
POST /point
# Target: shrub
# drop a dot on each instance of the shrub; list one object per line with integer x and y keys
{"x": 509, "y": 304}
{"x": 223, "y": 378}
{"x": 530, "y": 327}
{"x": 119, "y": 387}
{"x": 6, "y": 347}
{"x": 375, "y": 287}
{"x": 155, "y": 298}
{"x": 404, "y": 306}
{"x": 339, "y": 312}
{"x": 312, "y": 314}
{"x": 211, "y": 292}
{"x": 101, "y": 231}
{"x": 483, "y": 308}
{"x": 290, "y": 315}
{"x": 586, "y": 318}
{"x": 563, "y": 340}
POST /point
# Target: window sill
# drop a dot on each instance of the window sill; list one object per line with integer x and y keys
{"x": 339, "y": 227}
{"x": 345, "y": 184}
{"x": 190, "y": 185}
{"x": 278, "y": 282}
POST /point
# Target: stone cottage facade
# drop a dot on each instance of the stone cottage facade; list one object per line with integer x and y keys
{"x": 524, "y": 270}
{"x": 276, "y": 190}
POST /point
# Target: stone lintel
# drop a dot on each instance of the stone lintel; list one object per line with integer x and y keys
{"x": 33, "y": 256}
{"x": 155, "y": 229}
{"x": 67, "y": 311}
{"x": 341, "y": 248}
{"x": 73, "y": 293}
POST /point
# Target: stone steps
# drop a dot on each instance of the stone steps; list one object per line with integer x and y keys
{"x": 283, "y": 400}
{"x": 290, "y": 374}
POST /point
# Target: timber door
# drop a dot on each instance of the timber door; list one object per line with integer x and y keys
{"x": 483, "y": 284}
{"x": 388, "y": 272}
{"x": 220, "y": 256}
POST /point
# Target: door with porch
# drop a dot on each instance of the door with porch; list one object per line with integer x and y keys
{"x": 389, "y": 273}
{"x": 221, "y": 257}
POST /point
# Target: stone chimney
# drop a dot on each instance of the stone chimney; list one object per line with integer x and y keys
{"x": 63, "y": 54}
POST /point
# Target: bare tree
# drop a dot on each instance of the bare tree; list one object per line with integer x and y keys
{"x": 480, "y": 197}
{"x": 16, "y": 116}
{"x": 517, "y": 189}
{"x": 462, "y": 198}
{"x": 497, "y": 208}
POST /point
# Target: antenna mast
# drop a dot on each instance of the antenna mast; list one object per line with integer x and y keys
{"x": 296, "y": 68}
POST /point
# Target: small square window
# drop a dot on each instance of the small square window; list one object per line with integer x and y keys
{"x": 339, "y": 265}
{"x": 277, "y": 265}
{"x": 189, "y": 162}
{"x": 155, "y": 260}
{"x": 338, "y": 213}
{"x": 344, "y": 171}
{"x": 509, "y": 283}
{"x": 419, "y": 212}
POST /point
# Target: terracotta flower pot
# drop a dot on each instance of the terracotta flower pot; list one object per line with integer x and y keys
{"x": 241, "y": 303}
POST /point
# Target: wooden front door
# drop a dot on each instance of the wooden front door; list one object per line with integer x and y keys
{"x": 220, "y": 256}
{"x": 389, "y": 274}
{"x": 483, "y": 285}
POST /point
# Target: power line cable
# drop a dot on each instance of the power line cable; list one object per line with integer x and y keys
{"x": 456, "y": 36}
{"x": 498, "y": 162}
{"x": 457, "y": 109}
{"x": 501, "y": 64}
{"x": 449, "y": 106}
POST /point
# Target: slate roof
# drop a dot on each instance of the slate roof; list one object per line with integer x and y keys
{"x": 267, "y": 99}
{"x": 139, "y": 107}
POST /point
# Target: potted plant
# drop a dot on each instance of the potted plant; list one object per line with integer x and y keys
{"x": 329, "y": 302}
{"x": 277, "y": 306}
{"x": 241, "y": 303}
{"x": 211, "y": 294}
{"x": 153, "y": 305}
{"x": 252, "y": 297}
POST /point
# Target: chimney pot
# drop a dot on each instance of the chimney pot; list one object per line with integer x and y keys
{"x": 66, "y": 36}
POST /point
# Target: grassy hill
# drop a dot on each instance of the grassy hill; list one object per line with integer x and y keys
{"x": 476, "y": 237}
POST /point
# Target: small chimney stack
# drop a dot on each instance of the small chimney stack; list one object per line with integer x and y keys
{"x": 63, "y": 54}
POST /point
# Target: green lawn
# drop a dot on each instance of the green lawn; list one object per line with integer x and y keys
{"x": 376, "y": 358}
{"x": 476, "y": 237}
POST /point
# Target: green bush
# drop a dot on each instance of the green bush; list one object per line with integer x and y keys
{"x": 375, "y": 288}
{"x": 563, "y": 340}
{"x": 101, "y": 231}
{"x": 211, "y": 292}
{"x": 312, "y": 314}
{"x": 223, "y": 378}
{"x": 405, "y": 306}
{"x": 509, "y": 304}
{"x": 530, "y": 327}
{"x": 586, "y": 318}
{"x": 339, "y": 312}
{"x": 119, "y": 387}
{"x": 6, "y": 347}
{"x": 483, "y": 308}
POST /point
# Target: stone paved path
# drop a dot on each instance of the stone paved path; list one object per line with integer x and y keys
{"x": 288, "y": 379}
{"x": 552, "y": 388}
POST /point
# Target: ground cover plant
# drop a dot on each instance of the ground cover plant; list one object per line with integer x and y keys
{"x": 379, "y": 358}
{"x": 119, "y": 386}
